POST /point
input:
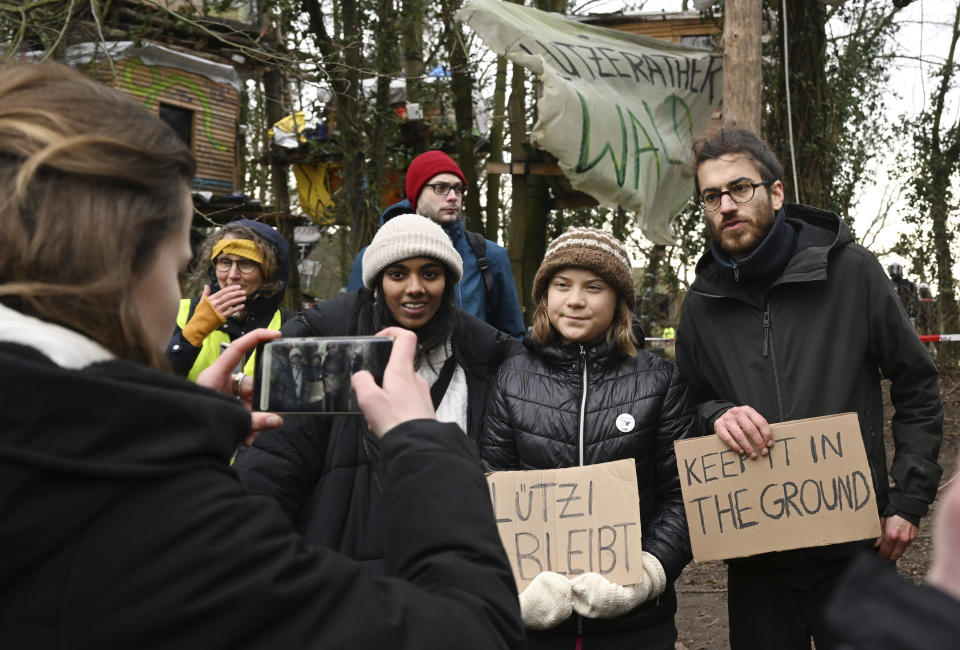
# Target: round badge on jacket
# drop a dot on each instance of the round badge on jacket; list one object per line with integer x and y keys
{"x": 625, "y": 422}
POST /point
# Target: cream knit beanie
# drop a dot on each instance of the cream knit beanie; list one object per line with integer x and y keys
{"x": 406, "y": 236}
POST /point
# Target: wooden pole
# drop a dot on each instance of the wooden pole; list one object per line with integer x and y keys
{"x": 742, "y": 77}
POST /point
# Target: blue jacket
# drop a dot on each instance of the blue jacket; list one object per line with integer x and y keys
{"x": 471, "y": 293}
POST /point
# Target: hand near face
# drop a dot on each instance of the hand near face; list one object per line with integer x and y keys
{"x": 404, "y": 396}
{"x": 745, "y": 431}
{"x": 219, "y": 377}
{"x": 228, "y": 300}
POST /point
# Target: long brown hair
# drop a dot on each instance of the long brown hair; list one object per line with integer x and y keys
{"x": 90, "y": 184}
{"x": 620, "y": 331}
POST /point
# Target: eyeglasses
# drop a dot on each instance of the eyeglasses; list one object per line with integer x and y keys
{"x": 738, "y": 192}
{"x": 444, "y": 188}
{"x": 244, "y": 265}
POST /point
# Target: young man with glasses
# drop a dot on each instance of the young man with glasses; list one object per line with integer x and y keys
{"x": 789, "y": 318}
{"x": 243, "y": 269}
{"x": 435, "y": 188}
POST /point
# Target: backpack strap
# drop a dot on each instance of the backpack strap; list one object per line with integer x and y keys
{"x": 439, "y": 388}
{"x": 479, "y": 247}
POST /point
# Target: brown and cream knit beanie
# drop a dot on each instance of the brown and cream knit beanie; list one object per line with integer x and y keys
{"x": 591, "y": 249}
{"x": 406, "y": 236}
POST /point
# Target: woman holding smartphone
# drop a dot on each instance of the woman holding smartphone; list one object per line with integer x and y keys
{"x": 123, "y": 527}
{"x": 584, "y": 393}
{"x": 325, "y": 470}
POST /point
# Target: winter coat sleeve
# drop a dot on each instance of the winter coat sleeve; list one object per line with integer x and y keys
{"x": 506, "y": 314}
{"x": 902, "y": 615}
{"x": 181, "y": 353}
{"x": 914, "y": 391}
{"x": 666, "y": 536}
{"x": 356, "y": 272}
{"x": 498, "y": 441}
{"x": 221, "y": 568}
{"x": 286, "y": 463}
{"x": 709, "y": 406}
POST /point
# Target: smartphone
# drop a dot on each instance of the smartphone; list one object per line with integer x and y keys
{"x": 312, "y": 375}
{"x": 223, "y": 348}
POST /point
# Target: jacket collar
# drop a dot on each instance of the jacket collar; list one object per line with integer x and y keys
{"x": 818, "y": 232}
{"x": 63, "y": 346}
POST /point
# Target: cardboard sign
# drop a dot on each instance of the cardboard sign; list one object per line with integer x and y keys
{"x": 571, "y": 521}
{"x": 814, "y": 488}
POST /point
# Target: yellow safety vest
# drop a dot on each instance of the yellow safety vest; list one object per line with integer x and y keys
{"x": 210, "y": 350}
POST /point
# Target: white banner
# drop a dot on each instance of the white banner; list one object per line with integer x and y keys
{"x": 619, "y": 111}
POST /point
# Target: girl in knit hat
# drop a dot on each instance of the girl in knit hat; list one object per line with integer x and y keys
{"x": 325, "y": 471}
{"x": 585, "y": 392}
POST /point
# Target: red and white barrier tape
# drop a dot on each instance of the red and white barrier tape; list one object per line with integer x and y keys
{"x": 936, "y": 338}
{"x": 926, "y": 338}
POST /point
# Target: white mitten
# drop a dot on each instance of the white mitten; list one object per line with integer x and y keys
{"x": 596, "y": 597}
{"x": 545, "y": 603}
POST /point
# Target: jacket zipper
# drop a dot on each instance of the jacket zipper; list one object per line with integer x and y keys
{"x": 768, "y": 351}
{"x": 373, "y": 467}
{"x": 583, "y": 399}
{"x": 583, "y": 417}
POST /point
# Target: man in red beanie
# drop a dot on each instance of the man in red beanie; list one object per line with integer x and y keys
{"x": 435, "y": 188}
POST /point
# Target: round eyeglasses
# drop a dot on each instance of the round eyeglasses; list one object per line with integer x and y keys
{"x": 244, "y": 265}
{"x": 738, "y": 192}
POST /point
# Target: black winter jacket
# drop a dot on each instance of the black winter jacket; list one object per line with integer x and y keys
{"x": 533, "y": 422}
{"x": 325, "y": 472}
{"x": 830, "y": 325}
{"x": 891, "y": 612}
{"x": 123, "y": 527}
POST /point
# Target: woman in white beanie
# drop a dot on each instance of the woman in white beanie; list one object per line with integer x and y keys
{"x": 584, "y": 393}
{"x": 325, "y": 471}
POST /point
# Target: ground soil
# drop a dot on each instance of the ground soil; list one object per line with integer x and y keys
{"x": 702, "y": 589}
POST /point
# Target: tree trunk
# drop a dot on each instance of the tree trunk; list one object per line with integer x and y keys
{"x": 275, "y": 90}
{"x": 806, "y": 41}
{"x": 342, "y": 59}
{"x": 385, "y": 37}
{"x": 412, "y": 39}
{"x": 517, "y": 110}
{"x": 941, "y": 163}
{"x": 742, "y": 74}
{"x": 492, "y": 224}
{"x": 461, "y": 84}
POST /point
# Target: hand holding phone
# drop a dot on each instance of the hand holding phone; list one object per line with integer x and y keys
{"x": 404, "y": 395}
{"x": 219, "y": 376}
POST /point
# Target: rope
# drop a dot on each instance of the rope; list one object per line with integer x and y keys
{"x": 786, "y": 77}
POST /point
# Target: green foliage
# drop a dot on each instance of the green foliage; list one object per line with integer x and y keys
{"x": 839, "y": 120}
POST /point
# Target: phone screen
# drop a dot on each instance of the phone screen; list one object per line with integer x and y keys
{"x": 312, "y": 375}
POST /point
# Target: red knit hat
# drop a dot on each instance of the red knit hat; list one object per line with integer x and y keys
{"x": 426, "y": 166}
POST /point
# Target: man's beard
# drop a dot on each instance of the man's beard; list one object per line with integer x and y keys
{"x": 742, "y": 243}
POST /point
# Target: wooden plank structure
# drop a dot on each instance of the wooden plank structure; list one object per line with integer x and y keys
{"x": 198, "y": 97}
{"x": 687, "y": 27}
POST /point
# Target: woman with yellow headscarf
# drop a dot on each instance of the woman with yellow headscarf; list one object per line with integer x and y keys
{"x": 243, "y": 267}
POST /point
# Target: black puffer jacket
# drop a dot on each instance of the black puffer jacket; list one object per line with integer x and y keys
{"x": 325, "y": 471}
{"x": 533, "y": 422}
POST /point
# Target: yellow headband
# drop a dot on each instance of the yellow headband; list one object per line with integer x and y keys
{"x": 242, "y": 247}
